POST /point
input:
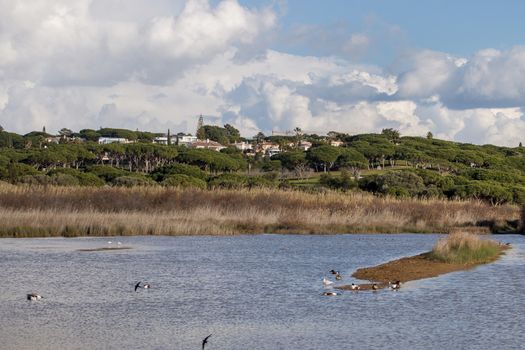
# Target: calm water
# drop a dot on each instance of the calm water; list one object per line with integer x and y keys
{"x": 250, "y": 292}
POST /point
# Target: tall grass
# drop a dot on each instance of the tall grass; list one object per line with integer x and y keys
{"x": 75, "y": 211}
{"x": 465, "y": 248}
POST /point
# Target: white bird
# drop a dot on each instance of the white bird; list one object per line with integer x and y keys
{"x": 327, "y": 282}
{"x": 395, "y": 285}
{"x": 34, "y": 296}
{"x": 109, "y": 242}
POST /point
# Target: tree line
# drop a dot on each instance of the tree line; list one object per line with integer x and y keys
{"x": 385, "y": 163}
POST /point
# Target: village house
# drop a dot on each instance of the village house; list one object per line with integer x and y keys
{"x": 273, "y": 151}
{"x": 163, "y": 140}
{"x": 263, "y": 147}
{"x": 304, "y": 145}
{"x": 336, "y": 143}
{"x": 243, "y": 146}
{"x": 108, "y": 140}
{"x": 207, "y": 144}
{"x": 186, "y": 140}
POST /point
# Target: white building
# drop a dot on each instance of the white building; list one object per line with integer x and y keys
{"x": 304, "y": 145}
{"x": 186, "y": 140}
{"x": 108, "y": 140}
{"x": 163, "y": 140}
{"x": 273, "y": 151}
{"x": 207, "y": 144}
{"x": 243, "y": 146}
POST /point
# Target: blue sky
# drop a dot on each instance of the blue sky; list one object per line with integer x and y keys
{"x": 460, "y": 27}
{"x": 455, "y": 68}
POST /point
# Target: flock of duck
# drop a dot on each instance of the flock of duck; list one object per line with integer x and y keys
{"x": 394, "y": 285}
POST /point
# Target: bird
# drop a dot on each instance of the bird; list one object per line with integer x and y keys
{"x": 327, "y": 282}
{"x": 119, "y": 243}
{"x": 205, "y": 341}
{"x": 375, "y": 287}
{"x": 395, "y": 285}
{"x": 338, "y": 277}
{"x": 146, "y": 286}
{"x": 34, "y": 296}
{"x": 334, "y": 272}
{"x": 330, "y": 294}
{"x": 109, "y": 242}
{"x": 354, "y": 287}
{"x": 137, "y": 286}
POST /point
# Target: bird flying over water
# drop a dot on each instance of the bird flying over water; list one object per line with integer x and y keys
{"x": 137, "y": 286}
{"x": 205, "y": 341}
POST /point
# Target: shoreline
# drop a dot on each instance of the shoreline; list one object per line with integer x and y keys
{"x": 411, "y": 268}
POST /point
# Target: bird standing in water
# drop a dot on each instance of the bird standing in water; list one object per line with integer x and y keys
{"x": 205, "y": 341}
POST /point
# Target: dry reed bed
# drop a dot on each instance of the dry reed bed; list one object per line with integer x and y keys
{"x": 73, "y": 211}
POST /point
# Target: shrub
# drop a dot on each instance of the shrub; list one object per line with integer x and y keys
{"x": 465, "y": 248}
{"x": 64, "y": 180}
{"x": 164, "y": 172}
{"x": 37, "y": 179}
{"x": 228, "y": 181}
{"x": 15, "y": 171}
{"x": 83, "y": 179}
{"x": 343, "y": 181}
{"x": 133, "y": 180}
{"x": 107, "y": 173}
{"x": 262, "y": 181}
{"x": 181, "y": 180}
{"x": 394, "y": 183}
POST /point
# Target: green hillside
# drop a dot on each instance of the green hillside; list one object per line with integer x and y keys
{"x": 384, "y": 164}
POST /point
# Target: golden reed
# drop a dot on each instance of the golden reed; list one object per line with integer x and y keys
{"x": 28, "y": 211}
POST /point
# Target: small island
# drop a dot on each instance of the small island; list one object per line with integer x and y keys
{"x": 458, "y": 251}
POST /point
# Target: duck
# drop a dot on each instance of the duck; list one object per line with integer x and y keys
{"x": 395, "y": 285}
{"x": 146, "y": 286}
{"x": 354, "y": 286}
{"x": 327, "y": 282}
{"x": 375, "y": 287}
{"x": 34, "y": 296}
{"x": 338, "y": 277}
{"x": 334, "y": 272}
{"x": 330, "y": 294}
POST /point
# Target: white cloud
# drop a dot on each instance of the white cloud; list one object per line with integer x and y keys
{"x": 158, "y": 64}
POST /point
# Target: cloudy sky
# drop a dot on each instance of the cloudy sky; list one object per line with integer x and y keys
{"x": 455, "y": 68}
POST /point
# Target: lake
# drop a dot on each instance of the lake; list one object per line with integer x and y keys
{"x": 250, "y": 292}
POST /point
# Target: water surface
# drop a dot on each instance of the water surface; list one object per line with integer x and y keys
{"x": 250, "y": 292}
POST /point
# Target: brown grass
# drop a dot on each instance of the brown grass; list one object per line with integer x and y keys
{"x": 465, "y": 248}
{"x": 61, "y": 211}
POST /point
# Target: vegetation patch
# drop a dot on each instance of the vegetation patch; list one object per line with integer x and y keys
{"x": 465, "y": 248}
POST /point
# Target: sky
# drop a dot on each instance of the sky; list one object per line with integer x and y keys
{"x": 454, "y": 68}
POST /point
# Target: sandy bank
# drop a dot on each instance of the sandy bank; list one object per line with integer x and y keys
{"x": 408, "y": 269}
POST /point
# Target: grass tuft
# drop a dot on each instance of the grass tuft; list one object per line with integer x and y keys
{"x": 465, "y": 248}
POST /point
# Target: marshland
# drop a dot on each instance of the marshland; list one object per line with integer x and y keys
{"x": 33, "y": 211}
